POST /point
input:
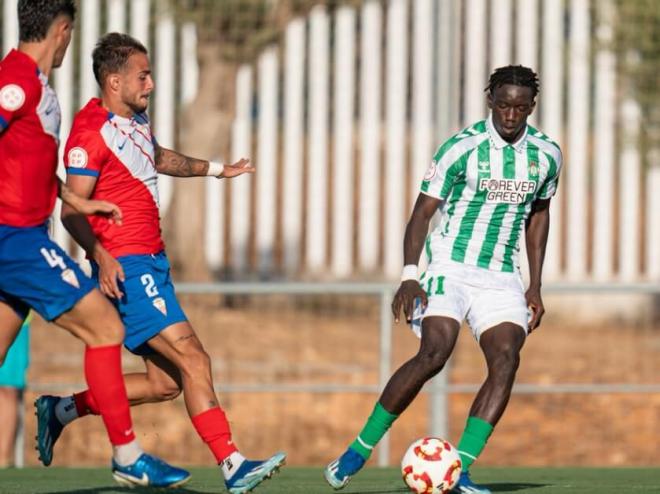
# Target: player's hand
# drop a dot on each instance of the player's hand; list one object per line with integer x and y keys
{"x": 404, "y": 298}
{"x": 239, "y": 168}
{"x": 101, "y": 208}
{"x": 535, "y": 305}
{"x": 110, "y": 274}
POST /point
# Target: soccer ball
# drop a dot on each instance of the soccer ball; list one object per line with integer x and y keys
{"x": 431, "y": 466}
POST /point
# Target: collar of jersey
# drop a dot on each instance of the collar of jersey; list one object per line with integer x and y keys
{"x": 499, "y": 143}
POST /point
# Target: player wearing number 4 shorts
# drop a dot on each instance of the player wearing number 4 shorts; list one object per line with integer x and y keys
{"x": 112, "y": 154}
{"x": 492, "y": 183}
{"x": 35, "y": 273}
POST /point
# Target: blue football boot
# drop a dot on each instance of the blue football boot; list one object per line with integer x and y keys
{"x": 339, "y": 472}
{"x": 466, "y": 486}
{"x": 252, "y": 473}
{"x": 48, "y": 427}
{"x": 149, "y": 471}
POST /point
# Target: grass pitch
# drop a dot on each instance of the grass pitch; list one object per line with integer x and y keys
{"x": 292, "y": 480}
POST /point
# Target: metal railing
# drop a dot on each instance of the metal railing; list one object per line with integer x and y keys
{"x": 438, "y": 388}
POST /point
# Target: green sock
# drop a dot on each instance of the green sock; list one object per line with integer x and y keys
{"x": 377, "y": 425}
{"x": 476, "y": 434}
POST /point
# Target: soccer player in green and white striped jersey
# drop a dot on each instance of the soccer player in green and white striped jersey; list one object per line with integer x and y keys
{"x": 493, "y": 183}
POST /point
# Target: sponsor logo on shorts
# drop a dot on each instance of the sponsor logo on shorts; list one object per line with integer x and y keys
{"x": 69, "y": 276}
{"x": 12, "y": 97}
{"x": 507, "y": 190}
{"x": 159, "y": 303}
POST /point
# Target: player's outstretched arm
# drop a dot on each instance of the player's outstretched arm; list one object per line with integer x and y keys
{"x": 413, "y": 243}
{"x": 536, "y": 237}
{"x": 88, "y": 206}
{"x": 175, "y": 164}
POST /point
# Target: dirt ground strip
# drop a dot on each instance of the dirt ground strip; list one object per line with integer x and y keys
{"x": 334, "y": 340}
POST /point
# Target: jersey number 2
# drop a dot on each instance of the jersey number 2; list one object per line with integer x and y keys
{"x": 149, "y": 285}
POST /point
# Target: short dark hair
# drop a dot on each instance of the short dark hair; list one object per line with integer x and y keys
{"x": 516, "y": 75}
{"x": 36, "y": 16}
{"x": 111, "y": 54}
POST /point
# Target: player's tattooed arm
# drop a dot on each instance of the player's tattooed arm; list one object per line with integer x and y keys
{"x": 175, "y": 164}
{"x": 87, "y": 206}
{"x": 536, "y": 239}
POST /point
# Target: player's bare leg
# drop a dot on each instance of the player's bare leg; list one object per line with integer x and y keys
{"x": 180, "y": 345}
{"x": 10, "y": 325}
{"x": 501, "y": 346}
{"x": 95, "y": 322}
{"x": 439, "y": 336}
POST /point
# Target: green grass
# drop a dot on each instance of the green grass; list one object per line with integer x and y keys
{"x": 372, "y": 481}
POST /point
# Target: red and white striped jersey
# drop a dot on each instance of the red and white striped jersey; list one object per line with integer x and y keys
{"x": 118, "y": 151}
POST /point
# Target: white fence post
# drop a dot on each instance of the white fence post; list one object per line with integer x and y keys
{"x": 604, "y": 138}
{"x": 344, "y": 83}
{"x": 474, "y": 107}
{"x": 317, "y": 191}
{"x": 189, "y": 64}
{"x": 294, "y": 76}
{"x": 577, "y": 164}
{"x": 370, "y": 127}
{"x": 422, "y": 104}
{"x": 116, "y": 16}
{"x": 164, "y": 104}
{"x": 395, "y": 156}
{"x": 241, "y": 147}
{"x": 629, "y": 192}
{"x": 267, "y": 159}
{"x": 9, "y": 25}
{"x": 653, "y": 217}
{"x": 501, "y": 18}
{"x": 140, "y": 17}
{"x": 550, "y": 106}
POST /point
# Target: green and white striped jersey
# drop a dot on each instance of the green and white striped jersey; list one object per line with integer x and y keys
{"x": 488, "y": 187}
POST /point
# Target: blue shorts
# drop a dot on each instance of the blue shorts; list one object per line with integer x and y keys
{"x": 149, "y": 304}
{"x": 36, "y": 273}
{"x": 14, "y": 369}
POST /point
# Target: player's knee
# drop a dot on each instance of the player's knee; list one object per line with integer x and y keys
{"x": 431, "y": 361}
{"x": 166, "y": 391}
{"x": 197, "y": 362}
{"x": 505, "y": 361}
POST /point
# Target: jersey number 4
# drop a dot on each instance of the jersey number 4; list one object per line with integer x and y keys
{"x": 53, "y": 259}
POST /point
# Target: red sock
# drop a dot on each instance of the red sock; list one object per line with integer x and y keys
{"x": 106, "y": 385}
{"x": 85, "y": 404}
{"x": 213, "y": 428}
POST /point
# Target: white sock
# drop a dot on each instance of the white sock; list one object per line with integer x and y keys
{"x": 231, "y": 464}
{"x": 127, "y": 454}
{"x": 65, "y": 410}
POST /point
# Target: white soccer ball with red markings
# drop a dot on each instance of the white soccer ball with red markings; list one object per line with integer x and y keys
{"x": 431, "y": 466}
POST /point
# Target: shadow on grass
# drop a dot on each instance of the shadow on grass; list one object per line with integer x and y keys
{"x": 512, "y": 487}
{"x": 132, "y": 490}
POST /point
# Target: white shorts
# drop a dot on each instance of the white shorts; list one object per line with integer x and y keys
{"x": 485, "y": 298}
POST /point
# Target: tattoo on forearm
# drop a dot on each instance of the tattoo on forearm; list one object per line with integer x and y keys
{"x": 178, "y": 165}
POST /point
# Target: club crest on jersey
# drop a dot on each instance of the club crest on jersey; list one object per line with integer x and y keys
{"x": 533, "y": 169}
{"x": 506, "y": 190}
{"x": 430, "y": 171}
{"x": 77, "y": 158}
{"x": 159, "y": 304}
{"x": 69, "y": 276}
{"x": 12, "y": 97}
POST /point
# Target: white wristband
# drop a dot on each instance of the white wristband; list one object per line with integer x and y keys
{"x": 215, "y": 169}
{"x": 410, "y": 272}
